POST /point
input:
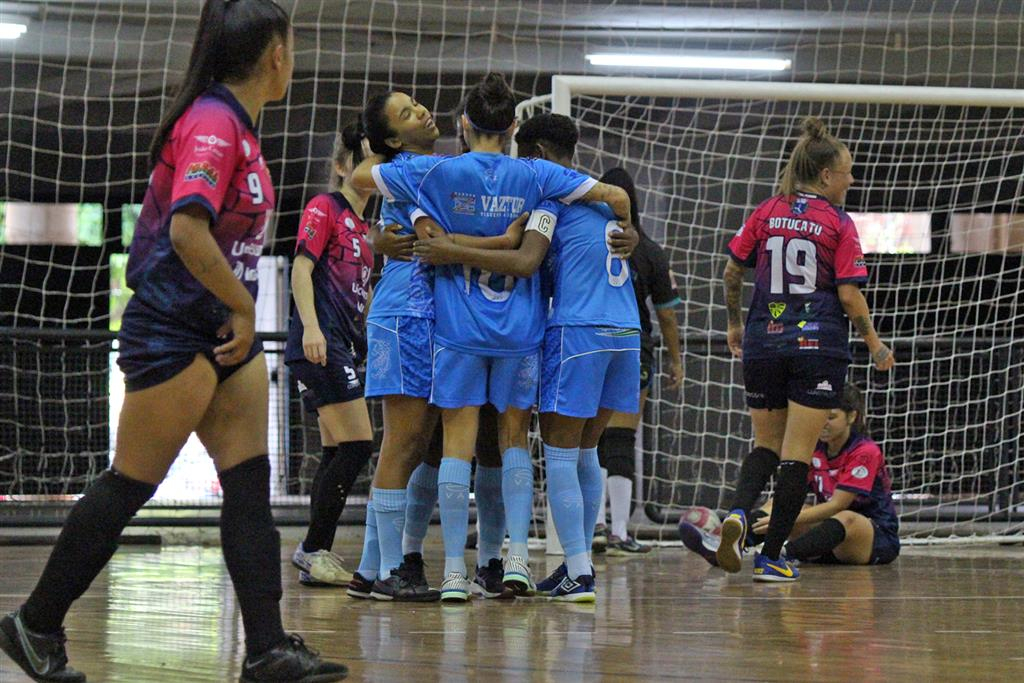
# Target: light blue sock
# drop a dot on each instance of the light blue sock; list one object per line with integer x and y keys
{"x": 589, "y": 470}
{"x": 453, "y": 498}
{"x": 490, "y": 513}
{"x": 566, "y": 502}
{"x": 369, "y": 563}
{"x": 517, "y": 492}
{"x": 421, "y": 495}
{"x": 389, "y": 505}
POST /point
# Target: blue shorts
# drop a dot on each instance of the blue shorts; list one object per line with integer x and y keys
{"x": 463, "y": 379}
{"x": 326, "y": 385}
{"x": 398, "y": 358}
{"x": 586, "y": 368}
{"x": 152, "y": 350}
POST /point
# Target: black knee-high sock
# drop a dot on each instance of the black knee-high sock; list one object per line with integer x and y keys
{"x": 328, "y": 454}
{"x": 252, "y": 551}
{"x": 752, "y": 538}
{"x": 790, "y": 492}
{"x": 332, "y": 483}
{"x": 757, "y": 468}
{"x": 86, "y": 543}
{"x": 818, "y": 541}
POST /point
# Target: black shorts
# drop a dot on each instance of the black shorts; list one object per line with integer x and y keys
{"x": 646, "y": 367}
{"x": 325, "y": 385}
{"x": 810, "y": 381}
{"x": 152, "y": 351}
{"x": 886, "y": 545}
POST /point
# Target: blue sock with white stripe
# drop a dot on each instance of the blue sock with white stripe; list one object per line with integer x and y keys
{"x": 567, "y": 506}
{"x": 517, "y": 492}
{"x": 421, "y": 496}
{"x": 589, "y": 470}
{"x": 490, "y": 514}
{"x": 389, "y": 506}
{"x": 369, "y": 563}
{"x": 453, "y": 498}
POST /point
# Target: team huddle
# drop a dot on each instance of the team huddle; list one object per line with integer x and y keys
{"x": 509, "y": 287}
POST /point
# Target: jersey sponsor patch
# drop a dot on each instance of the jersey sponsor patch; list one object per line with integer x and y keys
{"x": 309, "y": 230}
{"x": 859, "y": 472}
{"x": 774, "y": 327}
{"x": 202, "y": 171}
{"x": 464, "y": 203}
{"x": 808, "y": 344}
{"x": 776, "y": 308}
{"x": 824, "y": 385}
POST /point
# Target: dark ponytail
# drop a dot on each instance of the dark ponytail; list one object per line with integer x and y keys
{"x": 376, "y": 125}
{"x": 348, "y": 141}
{"x": 815, "y": 151}
{"x": 619, "y": 177}
{"x": 852, "y": 400}
{"x": 490, "y": 105}
{"x": 231, "y": 38}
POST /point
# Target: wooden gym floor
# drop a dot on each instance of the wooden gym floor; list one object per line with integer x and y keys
{"x": 167, "y": 614}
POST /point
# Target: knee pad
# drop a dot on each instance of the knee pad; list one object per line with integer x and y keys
{"x": 617, "y": 452}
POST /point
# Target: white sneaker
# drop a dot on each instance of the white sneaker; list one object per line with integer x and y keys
{"x": 517, "y": 576}
{"x": 320, "y": 568}
{"x": 455, "y": 588}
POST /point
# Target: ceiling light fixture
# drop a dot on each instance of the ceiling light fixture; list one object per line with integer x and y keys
{"x": 11, "y": 31}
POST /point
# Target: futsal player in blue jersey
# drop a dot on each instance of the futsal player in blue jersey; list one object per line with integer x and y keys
{"x": 188, "y": 353}
{"x": 591, "y": 354}
{"x": 795, "y": 345}
{"x": 488, "y": 327}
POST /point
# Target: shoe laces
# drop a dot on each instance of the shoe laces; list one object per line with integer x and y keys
{"x": 295, "y": 642}
{"x": 333, "y": 559}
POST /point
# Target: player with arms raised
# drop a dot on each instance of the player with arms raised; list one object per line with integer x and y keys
{"x": 795, "y": 346}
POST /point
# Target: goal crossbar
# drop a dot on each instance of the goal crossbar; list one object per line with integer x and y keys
{"x": 563, "y": 88}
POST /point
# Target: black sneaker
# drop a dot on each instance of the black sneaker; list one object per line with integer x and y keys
{"x": 626, "y": 546}
{"x": 40, "y": 655}
{"x": 292, "y": 661}
{"x": 488, "y": 581}
{"x": 600, "y": 542}
{"x": 408, "y": 583}
{"x": 359, "y": 587}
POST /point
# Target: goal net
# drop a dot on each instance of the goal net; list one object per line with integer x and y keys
{"x": 939, "y": 175}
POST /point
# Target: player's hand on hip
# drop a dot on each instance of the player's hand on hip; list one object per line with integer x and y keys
{"x": 734, "y": 337}
{"x": 883, "y": 358}
{"x": 314, "y": 345}
{"x": 437, "y": 251}
{"x": 241, "y": 327}
{"x": 623, "y": 242}
{"x": 394, "y": 246}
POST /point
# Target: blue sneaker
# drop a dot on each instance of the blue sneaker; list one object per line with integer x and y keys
{"x": 734, "y": 535}
{"x": 580, "y": 589}
{"x": 549, "y": 584}
{"x": 704, "y": 544}
{"x": 774, "y": 571}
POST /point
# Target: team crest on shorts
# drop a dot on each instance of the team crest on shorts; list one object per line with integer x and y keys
{"x": 380, "y": 359}
{"x": 776, "y": 308}
{"x": 527, "y": 375}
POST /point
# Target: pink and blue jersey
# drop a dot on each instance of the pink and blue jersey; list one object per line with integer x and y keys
{"x": 476, "y": 311}
{"x": 802, "y": 248}
{"x": 860, "y": 469}
{"x": 405, "y": 288}
{"x": 333, "y": 236}
{"x": 212, "y": 159}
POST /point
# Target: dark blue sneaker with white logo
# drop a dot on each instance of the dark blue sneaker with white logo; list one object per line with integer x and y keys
{"x": 40, "y": 655}
{"x": 734, "y": 536}
{"x": 580, "y": 589}
{"x": 547, "y": 585}
{"x": 774, "y": 571}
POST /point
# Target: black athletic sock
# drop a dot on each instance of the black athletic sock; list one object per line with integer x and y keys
{"x": 252, "y": 551}
{"x": 752, "y": 538}
{"x": 328, "y": 454}
{"x": 757, "y": 468}
{"x": 790, "y": 492}
{"x": 328, "y": 498}
{"x": 818, "y": 541}
{"x": 86, "y": 543}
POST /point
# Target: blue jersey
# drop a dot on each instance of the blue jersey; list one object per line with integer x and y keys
{"x": 480, "y": 194}
{"x": 405, "y": 287}
{"x": 591, "y": 286}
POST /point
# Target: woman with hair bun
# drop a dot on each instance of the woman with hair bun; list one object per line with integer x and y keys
{"x": 326, "y": 343}
{"x": 795, "y": 345}
{"x": 188, "y": 350}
